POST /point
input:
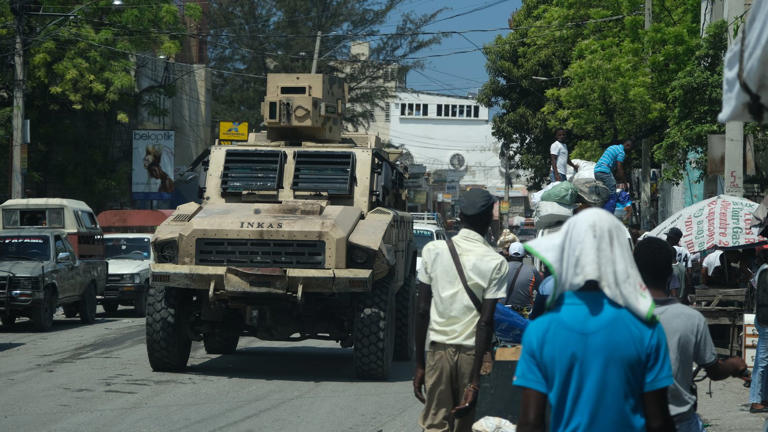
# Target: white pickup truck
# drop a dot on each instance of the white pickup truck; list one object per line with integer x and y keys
{"x": 129, "y": 257}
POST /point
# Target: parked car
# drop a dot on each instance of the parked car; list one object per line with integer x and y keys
{"x": 39, "y": 271}
{"x": 129, "y": 257}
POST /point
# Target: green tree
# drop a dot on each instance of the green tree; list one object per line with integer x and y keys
{"x": 279, "y": 36}
{"x": 613, "y": 78}
{"x": 81, "y": 90}
{"x": 694, "y": 98}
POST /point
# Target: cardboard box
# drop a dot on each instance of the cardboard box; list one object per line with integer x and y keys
{"x": 749, "y": 319}
{"x": 750, "y": 330}
{"x": 508, "y": 353}
{"x": 750, "y": 341}
{"x": 749, "y": 357}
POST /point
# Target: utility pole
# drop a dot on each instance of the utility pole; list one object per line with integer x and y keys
{"x": 507, "y": 182}
{"x": 317, "y": 52}
{"x": 17, "y": 188}
{"x": 645, "y": 188}
{"x": 734, "y": 130}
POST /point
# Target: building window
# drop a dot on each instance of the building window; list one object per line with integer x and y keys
{"x": 402, "y": 109}
{"x": 410, "y": 109}
{"x": 439, "y": 110}
{"x": 477, "y": 111}
{"x": 446, "y": 110}
{"x": 418, "y": 110}
{"x": 469, "y": 111}
{"x": 387, "y": 114}
{"x": 425, "y": 110}
{"x": 461, "y": 111}
{"x": 453, "y": 111}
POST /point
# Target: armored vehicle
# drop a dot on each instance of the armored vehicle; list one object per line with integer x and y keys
{"x": 301, "y": 234}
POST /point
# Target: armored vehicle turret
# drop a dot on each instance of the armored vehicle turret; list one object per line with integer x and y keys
{"x": 301, "y": 234}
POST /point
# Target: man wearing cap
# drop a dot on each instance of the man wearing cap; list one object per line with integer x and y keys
{"x": 524, "y": 280}
{"x": 448, "y": 325}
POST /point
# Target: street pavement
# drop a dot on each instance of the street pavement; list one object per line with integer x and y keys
{"x": 728, "y": 408}
{"x": 96, "y": 377}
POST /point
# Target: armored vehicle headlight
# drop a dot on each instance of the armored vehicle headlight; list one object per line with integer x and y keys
{"x": 359, "y": 257}
{"x": 131, "y": 277}
{"x": 166, "y": 252}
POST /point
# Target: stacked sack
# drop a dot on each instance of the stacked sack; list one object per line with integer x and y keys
{"x": 556, "y": 205}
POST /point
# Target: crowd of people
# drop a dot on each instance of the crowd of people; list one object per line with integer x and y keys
{"x": 592, "y": 290}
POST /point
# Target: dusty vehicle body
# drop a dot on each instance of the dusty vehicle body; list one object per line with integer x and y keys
{"x": 301, "y": 234}
{"x": 39, "y": 271}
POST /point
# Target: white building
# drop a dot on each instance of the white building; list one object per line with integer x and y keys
{"x": 447, "y": 133}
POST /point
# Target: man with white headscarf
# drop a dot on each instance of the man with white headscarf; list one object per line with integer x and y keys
{"x": 598, "y": 355}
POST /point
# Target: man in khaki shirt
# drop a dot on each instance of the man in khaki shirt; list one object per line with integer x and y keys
{"x": 448, "y": 325}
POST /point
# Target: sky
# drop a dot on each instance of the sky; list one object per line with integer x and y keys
{"x": 458, "y": 74}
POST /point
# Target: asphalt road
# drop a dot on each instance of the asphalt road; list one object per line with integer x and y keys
{"x": 96, "y": 377}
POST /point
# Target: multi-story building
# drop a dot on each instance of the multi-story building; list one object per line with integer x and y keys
{"x": 451, "y": 137}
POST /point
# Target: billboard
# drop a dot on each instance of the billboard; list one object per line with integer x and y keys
{"x": 152, "y": 177}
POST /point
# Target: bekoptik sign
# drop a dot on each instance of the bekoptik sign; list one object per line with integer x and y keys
{"x": 153, "y": 159}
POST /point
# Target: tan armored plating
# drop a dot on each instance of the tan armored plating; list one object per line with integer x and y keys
{"x": 300, "y": 209}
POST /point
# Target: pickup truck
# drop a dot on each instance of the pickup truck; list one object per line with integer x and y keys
{"x": 39, "y": 271}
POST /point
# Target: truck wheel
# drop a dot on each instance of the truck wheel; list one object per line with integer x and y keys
{"x": 405, "y": 331}
{"x": 374, "y": 331}
{"x": 140, "y": 303}
{"x": 221, "y": 339}
{"x": 88, "y": 305}
{"x": 110, "y": 307}
{"x": 42, "y": 314}
{"x": 168, "y": 343}
{"x": 70, "y": 309}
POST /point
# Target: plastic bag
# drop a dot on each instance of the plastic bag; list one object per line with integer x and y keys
{"x": 535, "y": 197}
{"x": 564, "y": 193}
{"x": 508, "y": 324}
{"x": 493, "y": 424}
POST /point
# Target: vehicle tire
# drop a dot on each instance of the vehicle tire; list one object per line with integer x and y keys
{"x": 374, "y": 331}
{"x": 168, "y": 343}
{"x": 88, "y": 305}
{"x": 110, "y": 307}
{"x": 140, "y": 303}
{"x": 405, "y": 310}
{"x": 42, "y": 314}
{"x": 8, "y": 320}
{"x": 221, "y": 339}
{"x": 70, "y": 309}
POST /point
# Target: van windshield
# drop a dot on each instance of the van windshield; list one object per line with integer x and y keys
{"x": 24, "y": 248}
{"x": 135, "y": 248}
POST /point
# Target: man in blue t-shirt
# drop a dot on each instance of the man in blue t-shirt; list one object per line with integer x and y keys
{"x": 599, "y": 366}
{"x": 612, "y": 161}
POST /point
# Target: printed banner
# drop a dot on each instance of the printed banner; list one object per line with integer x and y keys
{"x": 152, "y": 164}
{"x": 724, "y": 221}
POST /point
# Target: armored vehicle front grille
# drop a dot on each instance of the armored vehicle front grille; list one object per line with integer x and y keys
{"x": 260, "y": 253}
{"x": 252, "y": 170}
{"x": 323, "y": 171}
{"x": 114, "y": 278}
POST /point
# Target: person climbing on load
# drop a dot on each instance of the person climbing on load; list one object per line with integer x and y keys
{"x": 612, "y": 161}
